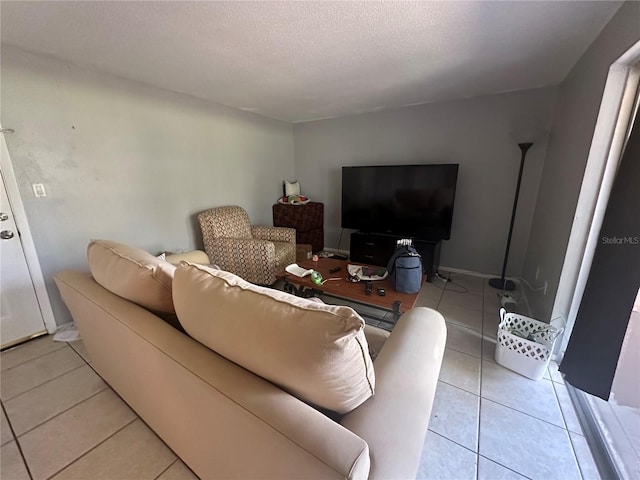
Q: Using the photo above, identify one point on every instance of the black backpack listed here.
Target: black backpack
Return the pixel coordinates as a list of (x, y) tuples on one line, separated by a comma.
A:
[(405, 269)]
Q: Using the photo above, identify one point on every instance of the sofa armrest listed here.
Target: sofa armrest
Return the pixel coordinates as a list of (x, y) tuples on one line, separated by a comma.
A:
[(394, 421), (194, 256), (275, 234)]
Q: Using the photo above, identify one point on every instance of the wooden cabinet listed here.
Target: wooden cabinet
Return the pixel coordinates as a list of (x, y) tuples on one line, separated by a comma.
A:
[(308, 220), (376, 249)]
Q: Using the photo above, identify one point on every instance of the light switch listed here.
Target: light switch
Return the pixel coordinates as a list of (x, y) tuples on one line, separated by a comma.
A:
[(38, 190)]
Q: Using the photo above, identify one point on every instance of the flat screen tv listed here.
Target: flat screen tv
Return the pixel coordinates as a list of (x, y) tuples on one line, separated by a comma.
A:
[(406, 200)]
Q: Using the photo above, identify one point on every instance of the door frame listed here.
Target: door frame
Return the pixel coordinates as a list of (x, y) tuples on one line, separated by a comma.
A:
[(609, 138), (28, 246)]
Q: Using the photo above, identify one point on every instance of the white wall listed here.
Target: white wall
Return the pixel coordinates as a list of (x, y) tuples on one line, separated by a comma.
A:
[(473, 133), (128, 162), (578, 104)]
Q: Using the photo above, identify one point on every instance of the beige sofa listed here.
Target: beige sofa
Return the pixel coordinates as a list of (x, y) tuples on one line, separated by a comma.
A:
[(226, 422)]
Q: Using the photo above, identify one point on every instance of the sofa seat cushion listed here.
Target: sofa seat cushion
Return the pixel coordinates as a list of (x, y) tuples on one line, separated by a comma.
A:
[(317, 352), (133, 274)]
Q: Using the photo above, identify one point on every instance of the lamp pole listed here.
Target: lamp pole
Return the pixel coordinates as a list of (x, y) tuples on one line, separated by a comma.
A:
[(501, 283)]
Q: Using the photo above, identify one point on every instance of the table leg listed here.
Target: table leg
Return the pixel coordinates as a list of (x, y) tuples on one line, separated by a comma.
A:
[(300, 291)]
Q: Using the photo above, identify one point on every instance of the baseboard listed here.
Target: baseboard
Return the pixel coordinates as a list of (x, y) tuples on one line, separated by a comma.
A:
[(466, 272), (335, 250)]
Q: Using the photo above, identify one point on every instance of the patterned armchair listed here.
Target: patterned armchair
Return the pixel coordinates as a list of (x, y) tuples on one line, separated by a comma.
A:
[(256, 254)]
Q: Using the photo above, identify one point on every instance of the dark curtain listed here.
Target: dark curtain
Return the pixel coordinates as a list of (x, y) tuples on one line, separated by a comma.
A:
[(592, 354)]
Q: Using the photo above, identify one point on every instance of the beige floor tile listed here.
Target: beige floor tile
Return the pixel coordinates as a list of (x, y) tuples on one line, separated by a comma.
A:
[(490, 325), (178, 471), (28, 351), (5, 429), (49, 399), (434, 288), (444, 459), (465, 317), (470, 301), (588, 466), (55, 444), (568, 411), (81, 349), (536, 398), (489, 349), (531, 447), (461, 370), (491, 302), (455, 415), (429, 296), (35, 372), (134, 452), (461, 282), (13, 467), (464, 340), (488, 470)]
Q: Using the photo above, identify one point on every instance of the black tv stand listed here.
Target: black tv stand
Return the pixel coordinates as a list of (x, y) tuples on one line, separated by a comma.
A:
[(377, 248)]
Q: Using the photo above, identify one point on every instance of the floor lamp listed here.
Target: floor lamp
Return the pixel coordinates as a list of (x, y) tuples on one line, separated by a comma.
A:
[(501, 283)]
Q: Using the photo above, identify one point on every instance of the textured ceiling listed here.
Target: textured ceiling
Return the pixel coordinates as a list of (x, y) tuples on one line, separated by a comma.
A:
[(299, 61)]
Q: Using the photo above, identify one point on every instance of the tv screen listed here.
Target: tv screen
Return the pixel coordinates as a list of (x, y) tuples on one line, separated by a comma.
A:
[(405, 200)]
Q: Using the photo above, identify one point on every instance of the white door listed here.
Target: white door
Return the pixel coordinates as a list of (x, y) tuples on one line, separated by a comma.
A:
[(20, 315)]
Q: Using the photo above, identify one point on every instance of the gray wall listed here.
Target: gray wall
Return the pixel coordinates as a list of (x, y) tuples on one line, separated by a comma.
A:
[(128, 162), (473, 133), (578, 103)]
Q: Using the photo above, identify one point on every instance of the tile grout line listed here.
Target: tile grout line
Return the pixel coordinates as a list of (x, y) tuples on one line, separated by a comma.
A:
[(575, 455), (480, 393), (466, 353), (94, 447), (564, 417), (15, 439), (65, 410), (168, 467), (524, 413), (465, 326), (453, 441), (504, 466), (43, 383), (74, 349), (573, 449), (62, 345)]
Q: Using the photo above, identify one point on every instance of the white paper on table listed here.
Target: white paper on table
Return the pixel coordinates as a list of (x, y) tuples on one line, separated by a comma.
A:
[(297, 270)]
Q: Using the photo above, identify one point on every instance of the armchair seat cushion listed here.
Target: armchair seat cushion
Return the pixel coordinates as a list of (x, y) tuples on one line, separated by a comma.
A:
[(317, 352)]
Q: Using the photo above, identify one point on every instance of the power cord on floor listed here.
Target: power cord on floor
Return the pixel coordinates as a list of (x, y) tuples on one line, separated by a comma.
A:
[(449, 283)]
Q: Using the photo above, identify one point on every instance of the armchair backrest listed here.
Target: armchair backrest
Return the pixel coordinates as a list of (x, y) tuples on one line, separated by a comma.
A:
[(229, 222)]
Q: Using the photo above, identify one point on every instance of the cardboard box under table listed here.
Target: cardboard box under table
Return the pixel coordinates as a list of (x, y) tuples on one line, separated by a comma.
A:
[(303, 252)]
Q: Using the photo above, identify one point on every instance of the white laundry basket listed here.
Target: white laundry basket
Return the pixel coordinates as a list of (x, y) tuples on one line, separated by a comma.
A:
[(526, 357)]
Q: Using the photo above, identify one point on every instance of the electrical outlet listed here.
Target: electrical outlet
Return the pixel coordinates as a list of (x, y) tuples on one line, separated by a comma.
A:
[(38, 190)]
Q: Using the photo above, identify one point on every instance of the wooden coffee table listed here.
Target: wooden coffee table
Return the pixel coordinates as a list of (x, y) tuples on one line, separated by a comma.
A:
[(394, 302)]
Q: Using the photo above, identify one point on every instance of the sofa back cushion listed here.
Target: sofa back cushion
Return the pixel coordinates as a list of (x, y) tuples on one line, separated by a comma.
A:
[(133, 274), (316, 352)]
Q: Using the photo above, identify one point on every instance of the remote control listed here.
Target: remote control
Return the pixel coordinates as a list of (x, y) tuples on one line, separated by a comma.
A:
[(381, 292), (368, 288), (335, 269)]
